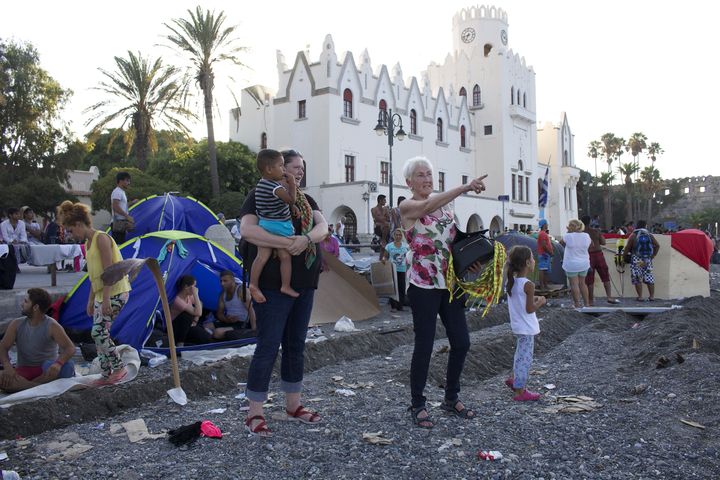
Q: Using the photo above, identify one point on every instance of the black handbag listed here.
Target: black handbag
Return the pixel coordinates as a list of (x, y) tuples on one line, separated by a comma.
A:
[(469, 248)]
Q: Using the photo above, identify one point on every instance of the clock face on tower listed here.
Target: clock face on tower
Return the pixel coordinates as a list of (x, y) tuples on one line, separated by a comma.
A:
[(468, 35), (503, 37)]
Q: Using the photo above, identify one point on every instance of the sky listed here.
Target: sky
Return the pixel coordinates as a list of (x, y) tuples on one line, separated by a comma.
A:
[(612, 66)]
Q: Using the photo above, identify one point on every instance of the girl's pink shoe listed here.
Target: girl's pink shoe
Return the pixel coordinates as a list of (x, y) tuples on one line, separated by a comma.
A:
[(510, 382), (527, 396)]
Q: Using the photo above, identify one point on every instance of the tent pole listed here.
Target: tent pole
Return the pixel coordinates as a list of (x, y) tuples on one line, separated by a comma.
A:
[(155, 269)]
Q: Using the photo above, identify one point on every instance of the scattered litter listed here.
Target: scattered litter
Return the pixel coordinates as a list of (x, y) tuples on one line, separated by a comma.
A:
[(388, 358), (572, 404), (434, 404), (65, 449), (337, 378), (376, 439), (313, 430), (638, 389), (489, 455), (443, 349), (200, 357), (3, 456), (10, 475), (178, 395), (189, 433), (116, 429), (345, 392), (357, 385), (453, 442), (137, 431), (315, 399), (679, 357), (549, 386), (216, 410), (344, 324), (214, 377), (316, 339), (315, 331), (154, 359), (538, 372), (695, 344), (693, 424), (99, 426), (240, 396)]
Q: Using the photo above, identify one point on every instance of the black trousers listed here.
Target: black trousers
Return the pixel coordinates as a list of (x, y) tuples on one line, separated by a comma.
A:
[(398, 304), (426, 304), (186, 333)]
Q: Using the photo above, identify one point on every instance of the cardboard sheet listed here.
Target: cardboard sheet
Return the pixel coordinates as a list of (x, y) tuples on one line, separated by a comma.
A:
[(384, 279)]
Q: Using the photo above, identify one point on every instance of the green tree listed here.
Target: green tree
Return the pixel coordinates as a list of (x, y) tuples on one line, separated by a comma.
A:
[(32, 132), (605, 179), (25, 192), (228, 203), (652, 183), (594, 151), (636, 144), (142, 185), (628, 170), (142, 94), (206, 40), (654, 150), (189, 169), (611, 148), (704, 219)]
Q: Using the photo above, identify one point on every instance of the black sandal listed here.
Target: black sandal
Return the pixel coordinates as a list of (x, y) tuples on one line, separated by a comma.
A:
[(451, 407), (415, 411)]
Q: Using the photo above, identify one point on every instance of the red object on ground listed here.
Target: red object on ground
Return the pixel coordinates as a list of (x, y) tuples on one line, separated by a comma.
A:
[(208, 429), (695, 245)]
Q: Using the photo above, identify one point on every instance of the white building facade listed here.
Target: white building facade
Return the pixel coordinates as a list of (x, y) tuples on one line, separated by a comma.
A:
[(472, 115)]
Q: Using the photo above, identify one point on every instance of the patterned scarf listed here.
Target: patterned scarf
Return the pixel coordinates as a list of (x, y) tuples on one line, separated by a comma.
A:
[(306, 224)]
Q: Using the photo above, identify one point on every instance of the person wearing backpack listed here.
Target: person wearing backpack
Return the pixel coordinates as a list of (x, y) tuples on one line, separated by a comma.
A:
[(643, 248)]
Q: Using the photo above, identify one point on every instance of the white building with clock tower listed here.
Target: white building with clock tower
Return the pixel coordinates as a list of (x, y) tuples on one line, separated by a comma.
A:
[(470, 115)]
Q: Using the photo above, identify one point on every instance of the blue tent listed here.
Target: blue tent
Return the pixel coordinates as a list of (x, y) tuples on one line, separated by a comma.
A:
[(169, 212), (185, 253), (557, 274)]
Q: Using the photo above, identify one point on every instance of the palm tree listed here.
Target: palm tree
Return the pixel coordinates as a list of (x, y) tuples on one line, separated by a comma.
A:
[(605, 179), (144, 95), (594, 150), (652, 182), (654, 150), (628, 170), (207, 42), (611, 148)]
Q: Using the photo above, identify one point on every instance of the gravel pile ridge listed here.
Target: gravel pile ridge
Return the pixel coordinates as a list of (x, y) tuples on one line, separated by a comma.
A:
[(634, 429)]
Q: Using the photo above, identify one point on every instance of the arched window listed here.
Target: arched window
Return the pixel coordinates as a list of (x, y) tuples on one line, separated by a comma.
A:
[(439, 130), (518, 97), (462, 136), (413, 122), (512, 95), (348, 103), (476, 96), (383, 105), (524, 101), (463, 92), (263, 140)]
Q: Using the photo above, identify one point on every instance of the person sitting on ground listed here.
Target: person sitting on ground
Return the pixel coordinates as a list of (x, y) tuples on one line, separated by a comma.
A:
[(576, 261), (13, 229), (274, 195), (186, 311), (522, 305), (32, 227), (643, 248), (37, 338), (545, 253), (235, 318), (597, 262)]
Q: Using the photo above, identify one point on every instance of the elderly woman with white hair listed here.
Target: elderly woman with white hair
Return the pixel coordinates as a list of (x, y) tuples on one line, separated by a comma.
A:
[(429, 227)]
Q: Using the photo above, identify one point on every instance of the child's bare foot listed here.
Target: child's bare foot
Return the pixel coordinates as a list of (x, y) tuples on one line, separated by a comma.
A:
[(289, 291), (256, 294)]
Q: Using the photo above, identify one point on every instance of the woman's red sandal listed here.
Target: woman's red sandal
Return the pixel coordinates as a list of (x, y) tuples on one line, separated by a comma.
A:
[(261, 429), (300, 413)]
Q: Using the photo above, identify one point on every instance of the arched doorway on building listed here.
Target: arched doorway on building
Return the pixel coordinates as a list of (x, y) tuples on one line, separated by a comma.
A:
[(496, 226), (474, 224), (349, 220)]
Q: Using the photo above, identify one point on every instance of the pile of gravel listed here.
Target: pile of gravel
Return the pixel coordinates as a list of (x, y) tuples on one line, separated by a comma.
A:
[(637, 432)]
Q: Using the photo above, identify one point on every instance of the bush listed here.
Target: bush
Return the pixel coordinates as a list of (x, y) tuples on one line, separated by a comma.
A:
[(228, 203), (141, 185)]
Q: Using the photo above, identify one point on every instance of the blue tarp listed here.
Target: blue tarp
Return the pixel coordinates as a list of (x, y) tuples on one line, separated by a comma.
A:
[(204, 260), (557, 274), (169, 212)]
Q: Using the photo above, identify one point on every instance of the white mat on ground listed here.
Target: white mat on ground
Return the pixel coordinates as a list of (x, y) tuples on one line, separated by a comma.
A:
[(199, 357), (48, 390)]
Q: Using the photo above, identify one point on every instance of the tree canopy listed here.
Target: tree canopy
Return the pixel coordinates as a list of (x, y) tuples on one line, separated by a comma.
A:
[(142, 185)]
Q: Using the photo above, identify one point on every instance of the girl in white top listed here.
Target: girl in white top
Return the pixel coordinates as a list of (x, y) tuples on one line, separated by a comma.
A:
[(522, 304), (576, 261)]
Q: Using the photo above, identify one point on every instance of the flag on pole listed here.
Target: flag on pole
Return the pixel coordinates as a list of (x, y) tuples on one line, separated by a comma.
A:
[(542, 203)]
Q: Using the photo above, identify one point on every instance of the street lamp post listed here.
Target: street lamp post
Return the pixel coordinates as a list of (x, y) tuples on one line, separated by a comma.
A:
[(387, 123)]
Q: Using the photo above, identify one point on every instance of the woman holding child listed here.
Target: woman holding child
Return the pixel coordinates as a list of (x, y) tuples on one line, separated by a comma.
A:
[(282, 318), (429, 228)]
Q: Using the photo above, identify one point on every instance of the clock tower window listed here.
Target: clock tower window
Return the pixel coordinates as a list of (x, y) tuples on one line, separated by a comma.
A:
[(488, 47)]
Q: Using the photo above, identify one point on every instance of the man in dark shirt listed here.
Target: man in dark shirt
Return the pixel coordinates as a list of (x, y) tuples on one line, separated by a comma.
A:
[(597, 262)]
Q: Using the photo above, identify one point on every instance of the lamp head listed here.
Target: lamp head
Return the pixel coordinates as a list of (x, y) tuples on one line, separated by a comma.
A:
[(380, 127), (400, 135)]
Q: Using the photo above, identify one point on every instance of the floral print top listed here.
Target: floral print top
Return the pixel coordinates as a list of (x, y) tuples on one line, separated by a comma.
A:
[(429, 241)]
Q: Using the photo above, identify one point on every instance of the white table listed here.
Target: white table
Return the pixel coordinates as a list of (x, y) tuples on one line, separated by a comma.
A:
[(50, 254)]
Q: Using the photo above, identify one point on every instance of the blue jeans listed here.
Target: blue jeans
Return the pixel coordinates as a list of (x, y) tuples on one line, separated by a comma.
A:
[(426, 304), (66, 371), (281, 320)]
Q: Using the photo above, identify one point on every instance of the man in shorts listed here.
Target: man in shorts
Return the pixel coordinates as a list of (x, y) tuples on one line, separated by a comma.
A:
[(597, 263), (643, 248), (545, 253)]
